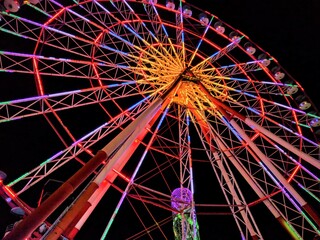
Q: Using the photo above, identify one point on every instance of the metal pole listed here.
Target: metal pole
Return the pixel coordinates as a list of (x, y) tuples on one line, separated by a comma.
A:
[(128, 136), (209, 134), (256, 126), (93, 201), (142, 121), (255, 186), (223, 108), (27, 226)]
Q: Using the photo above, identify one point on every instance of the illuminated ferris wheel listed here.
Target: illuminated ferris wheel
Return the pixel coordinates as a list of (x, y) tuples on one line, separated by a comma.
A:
[(157, 117)]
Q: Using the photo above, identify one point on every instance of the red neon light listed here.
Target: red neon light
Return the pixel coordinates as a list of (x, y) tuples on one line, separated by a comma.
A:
[(35, 64), (54, 17), (293, 174), (9, 192), (121, 175), (81, 146), (98, 38), (97, 74)]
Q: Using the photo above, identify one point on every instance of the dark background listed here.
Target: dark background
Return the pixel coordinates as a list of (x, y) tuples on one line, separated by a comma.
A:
[(288, 30)]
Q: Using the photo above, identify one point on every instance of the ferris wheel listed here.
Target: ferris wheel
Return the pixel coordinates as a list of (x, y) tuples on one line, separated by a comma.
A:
[(157, 118)]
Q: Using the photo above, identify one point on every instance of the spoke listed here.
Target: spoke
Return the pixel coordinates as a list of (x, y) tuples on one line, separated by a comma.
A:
[(78, 69), (214, 57), (232, 70), (280, 182), (22, 108), (132, 179), (227, 181), (272, 114), (143, 36), (64, 156), (253, 178), (154, 19), (199, 44), (253, 181), (71, 42), (138, 46), (267, 107), (268, 128), (180, 35)]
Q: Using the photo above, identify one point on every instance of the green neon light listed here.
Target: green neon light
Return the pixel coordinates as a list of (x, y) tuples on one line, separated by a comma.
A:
[(10, 32), (38, 9), (311, 194), (5, 120), (304, 125), (104, 235), (292, 231), (18, 179), (312, 115), (45, 162), (310, 222), (177, 223), (4, 103)]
